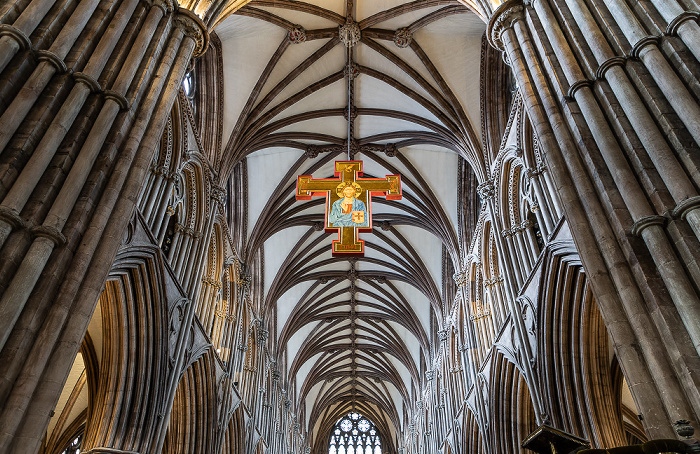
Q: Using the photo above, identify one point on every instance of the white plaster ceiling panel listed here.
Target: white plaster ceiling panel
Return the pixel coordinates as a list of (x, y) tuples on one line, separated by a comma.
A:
[(297, 341), (327, 65), (373, 93), (432, 162), (267, 167), (456, 62), (369, 57), (335, 126), (242, 68), (310, 21), (290, 60), (406, 19)]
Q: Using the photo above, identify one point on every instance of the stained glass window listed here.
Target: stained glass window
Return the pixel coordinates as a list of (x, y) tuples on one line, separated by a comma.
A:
[(354, 434), (74, 446)]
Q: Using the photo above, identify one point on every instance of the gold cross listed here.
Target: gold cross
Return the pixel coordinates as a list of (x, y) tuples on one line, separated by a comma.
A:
[(348, 202)]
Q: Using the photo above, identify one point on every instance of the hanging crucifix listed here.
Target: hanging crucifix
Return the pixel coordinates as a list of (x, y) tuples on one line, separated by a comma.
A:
[(349, 197), (349, 202)]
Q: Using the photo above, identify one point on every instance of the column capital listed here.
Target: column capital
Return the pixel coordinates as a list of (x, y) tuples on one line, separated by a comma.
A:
[(486, 190), (503, 18), (194, 28)]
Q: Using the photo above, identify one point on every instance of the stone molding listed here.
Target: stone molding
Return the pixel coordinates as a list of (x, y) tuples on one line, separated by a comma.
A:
[(193, 27), (503, 18)]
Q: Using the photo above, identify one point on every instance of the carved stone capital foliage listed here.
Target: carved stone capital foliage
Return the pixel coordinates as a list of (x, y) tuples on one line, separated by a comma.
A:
[(351, 72), (503, 18), (486, 190), (460, 279), (443, 335), (193, 27), (218, 194), (262, 337)]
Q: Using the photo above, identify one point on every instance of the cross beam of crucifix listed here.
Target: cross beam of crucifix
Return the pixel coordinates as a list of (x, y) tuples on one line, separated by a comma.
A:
[(348, 202)]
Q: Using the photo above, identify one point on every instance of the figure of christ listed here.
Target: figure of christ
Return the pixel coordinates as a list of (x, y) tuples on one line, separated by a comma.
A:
[(348, 211)]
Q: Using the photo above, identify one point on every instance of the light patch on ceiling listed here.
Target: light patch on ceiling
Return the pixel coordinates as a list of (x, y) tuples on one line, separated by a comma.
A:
[(293, 55), (418, 302), (309, 21), (310, 399), (302, 373), (95, 332), (373, 93), (76, 371), (458, 63), (238, 35), (365, 9), (265, 170), (333, 126), (428, 247), (328, 64), (433, 162), (287, 302), (366, 56), (412, 345)]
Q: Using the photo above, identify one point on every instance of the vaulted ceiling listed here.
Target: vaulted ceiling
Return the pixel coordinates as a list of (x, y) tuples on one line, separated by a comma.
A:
[(360, 332)]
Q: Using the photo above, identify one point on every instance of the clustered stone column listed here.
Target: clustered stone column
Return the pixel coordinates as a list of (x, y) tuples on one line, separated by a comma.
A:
[(632, 205), (85, 110)]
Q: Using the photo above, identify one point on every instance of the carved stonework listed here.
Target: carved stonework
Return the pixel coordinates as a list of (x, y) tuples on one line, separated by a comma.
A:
[(312, 151), (349, 33), (502, 19), (384, 225), (486, 190), (262, 337), (684, 428), (352, 72), (460, 279), (297, 35), (218, 194), (193, 27), (403, 37)]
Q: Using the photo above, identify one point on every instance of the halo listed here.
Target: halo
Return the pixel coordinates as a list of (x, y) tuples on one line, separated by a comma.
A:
[(342, 185)]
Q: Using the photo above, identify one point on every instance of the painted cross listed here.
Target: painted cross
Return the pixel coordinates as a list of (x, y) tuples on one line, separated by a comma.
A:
[(348, 202)]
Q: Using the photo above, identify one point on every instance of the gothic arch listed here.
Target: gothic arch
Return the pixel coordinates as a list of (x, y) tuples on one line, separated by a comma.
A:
[(573, 354), (195, 409), (511, 408)]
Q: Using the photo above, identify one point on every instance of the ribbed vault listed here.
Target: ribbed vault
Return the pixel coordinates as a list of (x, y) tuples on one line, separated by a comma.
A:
[(351, 333)]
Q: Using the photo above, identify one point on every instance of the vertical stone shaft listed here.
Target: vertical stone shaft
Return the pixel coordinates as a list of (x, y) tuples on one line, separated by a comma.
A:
[(588, 222), (25, 414), (641, 212), (18, 291), (42, 74), (21, 29)]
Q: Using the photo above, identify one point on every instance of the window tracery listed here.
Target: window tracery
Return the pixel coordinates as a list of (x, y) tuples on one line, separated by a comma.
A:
[(74, 446), (354, 434)]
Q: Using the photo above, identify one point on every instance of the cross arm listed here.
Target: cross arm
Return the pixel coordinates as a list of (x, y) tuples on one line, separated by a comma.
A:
[(307, 187)]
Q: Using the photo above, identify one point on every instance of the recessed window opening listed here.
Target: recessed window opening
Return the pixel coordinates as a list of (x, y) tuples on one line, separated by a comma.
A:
[(354, 434)]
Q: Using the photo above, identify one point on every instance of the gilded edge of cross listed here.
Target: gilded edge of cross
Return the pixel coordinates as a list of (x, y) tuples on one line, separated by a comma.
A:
[(348, 242)]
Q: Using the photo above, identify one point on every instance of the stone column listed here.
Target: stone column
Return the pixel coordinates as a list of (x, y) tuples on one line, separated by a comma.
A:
[(37, 384), (603, 261)]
